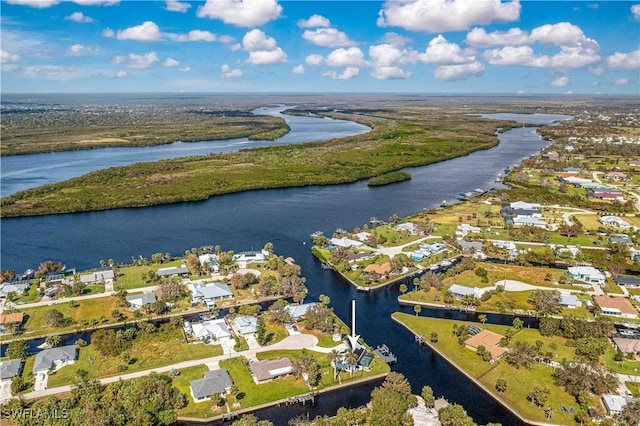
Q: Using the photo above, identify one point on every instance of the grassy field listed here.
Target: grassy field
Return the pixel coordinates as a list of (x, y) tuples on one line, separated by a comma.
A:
[(181, 382), (394, 143), (131, 276), (519, 381), (148, 351)]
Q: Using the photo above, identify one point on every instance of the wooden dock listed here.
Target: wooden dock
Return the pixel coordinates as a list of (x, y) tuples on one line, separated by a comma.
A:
[(383, 352)]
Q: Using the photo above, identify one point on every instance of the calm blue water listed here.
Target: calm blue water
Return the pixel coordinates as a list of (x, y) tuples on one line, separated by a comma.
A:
[(286, 217)]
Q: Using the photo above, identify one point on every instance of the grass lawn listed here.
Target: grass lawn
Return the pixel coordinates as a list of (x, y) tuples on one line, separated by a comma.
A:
[(148, 351), (33, 294), (612, 287), (394, 238), (131, 276), (519, 381), (624, 367), (634, 388)]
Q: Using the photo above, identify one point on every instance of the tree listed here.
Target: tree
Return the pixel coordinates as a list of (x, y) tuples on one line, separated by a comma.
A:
[(501, 385), (454, 415), (53, 340), (546, 302), (54, 318), (334, 357), (251, 420), (170, 289), (631, 412), (427, 395), (417, 309), (521, 355), (517, 323), (433, 338), (159, 307), (539, 395), (403, 288), (482, 318), (351, 359), (261, 332), (17, 349), (18, 384)]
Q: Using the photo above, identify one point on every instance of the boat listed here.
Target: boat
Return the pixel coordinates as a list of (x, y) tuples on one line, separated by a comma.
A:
[(444, 203), (317, 234)]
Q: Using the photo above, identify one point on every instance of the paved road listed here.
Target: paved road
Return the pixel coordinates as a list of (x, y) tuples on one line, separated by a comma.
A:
[(392, 251), (296, 341)]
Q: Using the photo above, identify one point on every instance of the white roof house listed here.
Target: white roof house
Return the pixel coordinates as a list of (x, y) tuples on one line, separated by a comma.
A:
[(586, 273), (362, 236), (614, 221), (460, 291), (210, 260), (464, 229), (570, 301), (524, 205), (251, 256), (345, 242), (138, 301), (406, 226), (98, 276), (214, 330), (15, 287), (245, 324), (614, 403), (209, 294), (529, 221), (172, 271), (298, 311)]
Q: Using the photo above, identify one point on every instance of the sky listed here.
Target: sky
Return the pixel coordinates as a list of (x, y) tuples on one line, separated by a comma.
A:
[(401, 46)]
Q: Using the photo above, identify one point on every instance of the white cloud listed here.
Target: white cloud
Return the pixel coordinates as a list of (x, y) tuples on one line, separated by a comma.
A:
[(263, 50), (560, 81), (446, 15), (514, 56), (40, 4), (441, 52), (176, 6), (314, 59), (314, 21), (225, 39), (121, 74), (351, 57), (389, 73), (8, 58), (79, 17), (185, 69), (96, 2), (347, 74), (236, 46), (170, 62), (298, 69), (635, 11), (574, 57), (227, 72), (79, 50), (327, 37), (478, 37), (458, 72), (560, 34), (242, 13), (624, 61), (196, 35), (136, 61), (621, 82), (147, 31), (108, 32), (395, 39)]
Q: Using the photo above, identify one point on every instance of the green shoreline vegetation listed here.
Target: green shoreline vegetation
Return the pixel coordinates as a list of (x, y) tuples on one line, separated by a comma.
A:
[(388, 178), (397, 140)]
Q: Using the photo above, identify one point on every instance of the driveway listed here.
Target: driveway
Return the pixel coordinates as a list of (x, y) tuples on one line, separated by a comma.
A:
[(5, 391), (41, 381)]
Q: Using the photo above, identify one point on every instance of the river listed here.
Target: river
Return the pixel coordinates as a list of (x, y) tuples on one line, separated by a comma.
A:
[(287, 217)]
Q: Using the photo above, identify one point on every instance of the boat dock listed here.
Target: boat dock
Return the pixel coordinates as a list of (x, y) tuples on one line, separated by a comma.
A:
[(383, 352)]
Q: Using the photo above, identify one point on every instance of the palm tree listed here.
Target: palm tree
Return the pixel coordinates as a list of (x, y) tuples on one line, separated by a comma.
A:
[(482, 318), (417, 309), (333, 358), (351, 359)]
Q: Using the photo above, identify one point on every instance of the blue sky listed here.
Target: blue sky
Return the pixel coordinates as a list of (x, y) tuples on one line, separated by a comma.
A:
[(415, 46)]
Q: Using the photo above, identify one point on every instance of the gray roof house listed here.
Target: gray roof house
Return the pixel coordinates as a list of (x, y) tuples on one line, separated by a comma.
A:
[(209, 294), (9, 369), (298, 311), (614, 403), (214, 382), (97, 276), (138, 301), (17, 287), (245, 324), (54, 358), (460, 291), (569, 300), (628, 280), (172, 271)]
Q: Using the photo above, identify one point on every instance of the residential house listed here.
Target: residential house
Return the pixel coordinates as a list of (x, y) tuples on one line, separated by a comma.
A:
[(345, 242), (251, 256), (634, 163), (569, 301), (245, 324), (297, 311), (472, 248), (616, 306), (98, 277), (139, 301), (620, 239), (632, 281), (376, 271), (432, 248), (614, 404), (210, 261), (355, 257), (215, 382), (551, 155), (211, 330), (362, 236), (15, 318), (172, 271), (54, 358), (55, 278), (460, 291), (529, 221), (510, 212), (488, 339), (417, 256), (409, 227), (9, 369), (627, 345), (586, 273), (265, 371), (463, 229), (209, 294), (614, 221), (525, 206), (616, 176), (571, 170), (16, 287)]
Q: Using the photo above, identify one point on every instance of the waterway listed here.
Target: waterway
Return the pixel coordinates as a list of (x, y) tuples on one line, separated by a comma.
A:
[(287, 217)]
